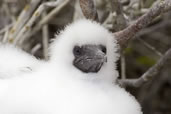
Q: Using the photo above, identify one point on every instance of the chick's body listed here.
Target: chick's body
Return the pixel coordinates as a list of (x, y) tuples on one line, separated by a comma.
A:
[(58, 87), (56, 95)]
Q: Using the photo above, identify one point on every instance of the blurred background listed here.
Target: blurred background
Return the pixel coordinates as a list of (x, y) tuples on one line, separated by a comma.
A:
[(32, 25)]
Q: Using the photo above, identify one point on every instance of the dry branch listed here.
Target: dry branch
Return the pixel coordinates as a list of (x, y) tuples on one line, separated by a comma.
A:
[(34, 17), (23, 18), (44, 21), (128, 33)]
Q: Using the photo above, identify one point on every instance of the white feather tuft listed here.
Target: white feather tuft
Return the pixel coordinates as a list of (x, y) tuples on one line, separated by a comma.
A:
[(15, 62)]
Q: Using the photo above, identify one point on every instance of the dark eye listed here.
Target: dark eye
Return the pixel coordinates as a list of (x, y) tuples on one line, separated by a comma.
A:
[(103, 48), (77, 50)]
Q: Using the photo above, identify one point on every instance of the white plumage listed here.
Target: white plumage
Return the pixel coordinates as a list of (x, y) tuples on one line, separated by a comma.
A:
[(15, 62), (58, 87)]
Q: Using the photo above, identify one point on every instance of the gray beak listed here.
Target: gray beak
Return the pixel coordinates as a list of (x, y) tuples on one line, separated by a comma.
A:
[(91, 58)]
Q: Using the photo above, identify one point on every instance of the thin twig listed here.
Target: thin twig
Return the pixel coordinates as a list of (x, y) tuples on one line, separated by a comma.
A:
[(150, 47), (35, 48), (149, 74), (123, 67), (45, 39)]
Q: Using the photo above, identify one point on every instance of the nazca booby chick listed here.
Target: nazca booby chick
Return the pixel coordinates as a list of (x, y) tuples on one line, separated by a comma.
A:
[(16, 62), (78, 79)]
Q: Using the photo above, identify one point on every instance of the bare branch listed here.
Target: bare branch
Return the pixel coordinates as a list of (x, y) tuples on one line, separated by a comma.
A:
[(128, 33), (88, 9), (23, 18), (34, 17), (44, 21), (149, 74)]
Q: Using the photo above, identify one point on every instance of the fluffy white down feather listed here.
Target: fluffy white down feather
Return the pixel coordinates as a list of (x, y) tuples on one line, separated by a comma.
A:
[(59, 88), (16, 62)]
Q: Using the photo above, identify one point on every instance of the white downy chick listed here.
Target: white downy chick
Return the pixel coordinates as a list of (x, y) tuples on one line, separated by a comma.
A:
[(78, 79), (15, 62)]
